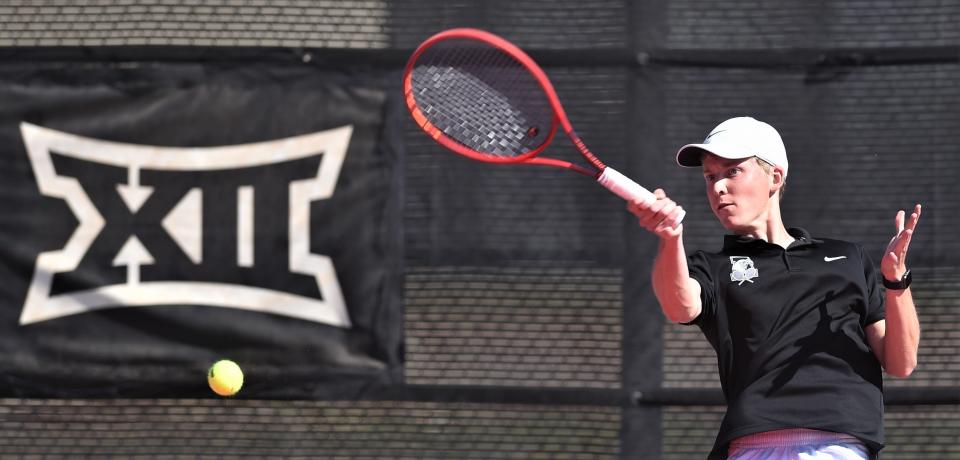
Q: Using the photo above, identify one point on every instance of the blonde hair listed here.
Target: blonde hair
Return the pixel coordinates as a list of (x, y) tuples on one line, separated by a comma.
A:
[(767, 167)]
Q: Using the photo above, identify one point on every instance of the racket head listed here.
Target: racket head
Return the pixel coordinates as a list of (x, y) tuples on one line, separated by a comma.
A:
[(481, 96)]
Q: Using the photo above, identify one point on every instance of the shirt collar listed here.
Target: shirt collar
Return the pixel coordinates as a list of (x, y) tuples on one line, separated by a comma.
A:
[(802, 236)]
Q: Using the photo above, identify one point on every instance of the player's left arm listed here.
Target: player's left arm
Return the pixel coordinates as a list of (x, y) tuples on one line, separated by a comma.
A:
[(896, 339)]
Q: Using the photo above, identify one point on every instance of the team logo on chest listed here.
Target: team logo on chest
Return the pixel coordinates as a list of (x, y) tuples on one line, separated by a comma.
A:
[(742, 269)]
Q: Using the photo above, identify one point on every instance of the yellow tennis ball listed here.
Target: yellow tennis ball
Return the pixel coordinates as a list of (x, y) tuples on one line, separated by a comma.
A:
[(225, 377)]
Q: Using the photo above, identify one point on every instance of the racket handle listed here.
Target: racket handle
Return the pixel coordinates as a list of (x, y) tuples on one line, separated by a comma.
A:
[(627, 189), (624, 187)]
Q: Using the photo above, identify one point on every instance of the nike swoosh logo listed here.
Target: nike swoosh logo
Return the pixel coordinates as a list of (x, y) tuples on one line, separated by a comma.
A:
[(831, 259), (706, 141)]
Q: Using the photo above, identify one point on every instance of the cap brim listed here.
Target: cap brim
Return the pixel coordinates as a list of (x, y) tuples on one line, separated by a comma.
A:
[(691, 155)]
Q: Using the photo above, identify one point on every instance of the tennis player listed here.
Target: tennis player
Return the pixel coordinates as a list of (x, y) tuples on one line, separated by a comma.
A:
[(800, 325)]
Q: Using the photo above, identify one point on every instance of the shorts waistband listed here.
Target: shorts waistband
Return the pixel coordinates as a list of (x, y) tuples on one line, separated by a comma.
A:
[(790, 437)]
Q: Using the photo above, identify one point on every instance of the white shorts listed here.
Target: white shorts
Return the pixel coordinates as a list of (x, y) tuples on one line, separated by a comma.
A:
[(798, 444)]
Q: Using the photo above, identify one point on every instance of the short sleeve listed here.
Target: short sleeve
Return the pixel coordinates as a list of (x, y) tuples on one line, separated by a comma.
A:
[(876, 308), (698, 265)]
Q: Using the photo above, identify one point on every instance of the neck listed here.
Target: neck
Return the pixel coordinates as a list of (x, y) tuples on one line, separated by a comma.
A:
[(775, 234), (769, 227)]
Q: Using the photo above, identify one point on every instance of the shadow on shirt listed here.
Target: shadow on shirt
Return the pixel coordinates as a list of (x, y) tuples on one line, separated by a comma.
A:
[(839, 336)]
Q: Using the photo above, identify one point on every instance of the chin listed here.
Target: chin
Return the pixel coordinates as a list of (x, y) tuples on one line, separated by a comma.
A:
[(731, 227), (726, 220), (731, 223)]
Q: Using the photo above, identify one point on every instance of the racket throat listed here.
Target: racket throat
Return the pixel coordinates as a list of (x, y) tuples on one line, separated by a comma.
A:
[(564, 164), (585, 151)]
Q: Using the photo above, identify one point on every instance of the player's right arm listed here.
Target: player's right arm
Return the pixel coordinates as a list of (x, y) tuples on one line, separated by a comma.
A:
[(677, 292)]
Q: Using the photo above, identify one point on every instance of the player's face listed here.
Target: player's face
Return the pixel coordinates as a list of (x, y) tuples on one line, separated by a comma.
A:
[(739, 192)]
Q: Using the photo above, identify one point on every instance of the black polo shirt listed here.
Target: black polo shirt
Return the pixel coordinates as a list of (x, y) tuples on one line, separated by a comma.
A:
[(788, 329)]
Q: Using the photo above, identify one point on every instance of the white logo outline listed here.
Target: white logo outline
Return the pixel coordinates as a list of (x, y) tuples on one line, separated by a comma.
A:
[(41, 306), (742, 269), (831, 259)]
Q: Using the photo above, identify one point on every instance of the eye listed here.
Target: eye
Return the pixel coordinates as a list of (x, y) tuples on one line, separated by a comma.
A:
[(734, 171)]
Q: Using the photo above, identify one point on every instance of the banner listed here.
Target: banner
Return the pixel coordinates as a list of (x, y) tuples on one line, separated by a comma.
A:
[(157, 217)]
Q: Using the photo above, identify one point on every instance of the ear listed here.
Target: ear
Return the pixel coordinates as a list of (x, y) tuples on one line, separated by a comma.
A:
[(777, 179)]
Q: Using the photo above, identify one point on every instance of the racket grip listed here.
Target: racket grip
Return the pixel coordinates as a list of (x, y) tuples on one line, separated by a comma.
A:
[(624, 187), (627, 189)]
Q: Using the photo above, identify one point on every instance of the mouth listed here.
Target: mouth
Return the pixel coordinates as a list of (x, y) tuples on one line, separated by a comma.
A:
[(724, 205)]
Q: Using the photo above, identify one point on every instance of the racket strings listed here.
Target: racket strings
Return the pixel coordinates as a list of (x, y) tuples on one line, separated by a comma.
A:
[(470, 107), (476, 108), (509, 118), (482, 98), (533, 99)]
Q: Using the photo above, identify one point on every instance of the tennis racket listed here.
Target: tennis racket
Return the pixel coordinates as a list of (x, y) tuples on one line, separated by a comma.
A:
[(481, 96)]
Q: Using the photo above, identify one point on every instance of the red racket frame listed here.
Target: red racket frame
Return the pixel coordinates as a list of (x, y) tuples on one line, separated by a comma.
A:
[(559, 115)]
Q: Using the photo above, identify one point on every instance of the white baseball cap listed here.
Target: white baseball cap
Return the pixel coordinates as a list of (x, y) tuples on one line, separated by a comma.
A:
[(736, 138)]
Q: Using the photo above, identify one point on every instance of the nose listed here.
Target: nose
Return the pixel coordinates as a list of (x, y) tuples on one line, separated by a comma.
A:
[(720, 187)]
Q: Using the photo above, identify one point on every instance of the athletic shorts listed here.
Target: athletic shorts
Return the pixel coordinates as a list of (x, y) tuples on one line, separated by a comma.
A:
[(798, 444)]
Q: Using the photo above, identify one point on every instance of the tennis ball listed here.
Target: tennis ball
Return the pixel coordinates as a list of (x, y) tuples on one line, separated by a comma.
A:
[(225, 377)]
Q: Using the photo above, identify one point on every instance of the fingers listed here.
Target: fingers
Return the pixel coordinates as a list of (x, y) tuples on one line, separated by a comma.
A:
[(908, 233), (900, 243), (893, 258), (903, 241), (659, 212), (660, 216), (914, 218), (642, 209), (901, 222), (910, 223), (671, 224)]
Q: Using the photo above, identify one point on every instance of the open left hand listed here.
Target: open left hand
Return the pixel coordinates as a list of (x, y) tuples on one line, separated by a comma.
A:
[(894, 263)]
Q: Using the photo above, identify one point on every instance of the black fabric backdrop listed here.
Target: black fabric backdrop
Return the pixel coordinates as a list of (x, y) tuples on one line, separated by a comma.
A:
[(165, 350)]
